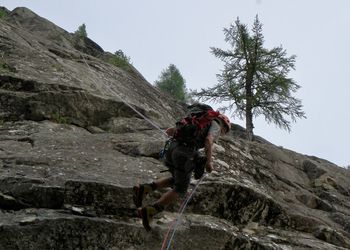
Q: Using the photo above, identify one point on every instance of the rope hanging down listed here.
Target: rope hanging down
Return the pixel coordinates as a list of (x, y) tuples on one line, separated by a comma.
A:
[(188, 198), (177, 220), (126, 103)]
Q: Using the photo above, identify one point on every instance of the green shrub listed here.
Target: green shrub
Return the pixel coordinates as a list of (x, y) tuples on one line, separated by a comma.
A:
[(5, 67), (121, 55), (120, 60), (58, 118), (2, 13), (81, 31), (120, 63)]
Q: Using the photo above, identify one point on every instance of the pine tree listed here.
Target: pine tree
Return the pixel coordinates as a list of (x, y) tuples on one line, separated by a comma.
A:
[(171, 82), (81, 31), (254, 80), (120, 54)]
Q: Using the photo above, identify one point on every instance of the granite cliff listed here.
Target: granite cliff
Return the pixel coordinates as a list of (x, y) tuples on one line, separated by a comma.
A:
[(73, 143)]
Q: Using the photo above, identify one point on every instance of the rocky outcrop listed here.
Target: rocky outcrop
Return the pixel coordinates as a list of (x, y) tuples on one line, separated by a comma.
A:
[(48, 73), (71, 148)]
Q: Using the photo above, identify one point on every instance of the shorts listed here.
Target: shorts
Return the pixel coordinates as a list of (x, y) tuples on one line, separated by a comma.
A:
[(180, 160)]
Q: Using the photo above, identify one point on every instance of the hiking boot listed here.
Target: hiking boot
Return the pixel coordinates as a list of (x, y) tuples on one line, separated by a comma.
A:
[(140, 192), (146, 214)]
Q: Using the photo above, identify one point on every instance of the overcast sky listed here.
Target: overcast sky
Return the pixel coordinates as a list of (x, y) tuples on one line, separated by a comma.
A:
[(155, 33)]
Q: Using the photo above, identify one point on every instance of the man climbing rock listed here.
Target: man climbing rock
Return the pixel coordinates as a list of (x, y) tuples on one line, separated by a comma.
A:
[(200, 129)]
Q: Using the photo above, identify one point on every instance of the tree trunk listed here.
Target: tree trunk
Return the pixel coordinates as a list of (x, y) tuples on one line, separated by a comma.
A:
[(249, 122), (249, 105)]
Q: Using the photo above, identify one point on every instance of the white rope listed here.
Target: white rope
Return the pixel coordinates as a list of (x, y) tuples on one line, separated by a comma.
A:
[(126, 103), (178, 219)]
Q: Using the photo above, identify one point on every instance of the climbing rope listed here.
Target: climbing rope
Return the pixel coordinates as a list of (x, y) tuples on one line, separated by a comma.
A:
[(173, 222), (126, 103), (180, 212), (183, 206)]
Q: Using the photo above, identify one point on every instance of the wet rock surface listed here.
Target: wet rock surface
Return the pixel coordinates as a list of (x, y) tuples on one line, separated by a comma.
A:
[(71, 151)]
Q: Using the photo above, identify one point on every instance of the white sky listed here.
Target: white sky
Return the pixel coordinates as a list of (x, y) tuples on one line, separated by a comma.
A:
[(155, 33)]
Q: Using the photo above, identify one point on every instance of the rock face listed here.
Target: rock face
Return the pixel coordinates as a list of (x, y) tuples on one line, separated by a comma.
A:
[(71, 148), (48, 73)]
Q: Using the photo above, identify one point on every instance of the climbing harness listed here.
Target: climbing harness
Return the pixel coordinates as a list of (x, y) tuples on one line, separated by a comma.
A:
[(174, 224), (165, 148)]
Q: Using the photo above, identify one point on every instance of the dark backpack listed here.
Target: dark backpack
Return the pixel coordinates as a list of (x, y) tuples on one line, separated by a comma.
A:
[(192, 129)]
